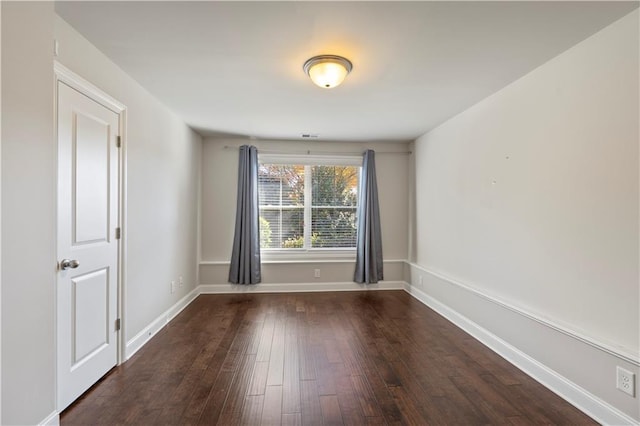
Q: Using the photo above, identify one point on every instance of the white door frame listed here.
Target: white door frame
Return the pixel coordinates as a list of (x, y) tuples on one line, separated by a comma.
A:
[(0, 217), (68, 77)]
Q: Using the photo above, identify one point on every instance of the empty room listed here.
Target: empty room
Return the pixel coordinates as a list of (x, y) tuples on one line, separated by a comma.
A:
[(319, 213)]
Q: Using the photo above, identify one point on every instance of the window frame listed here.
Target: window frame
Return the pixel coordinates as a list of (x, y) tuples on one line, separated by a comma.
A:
[(319, 253)]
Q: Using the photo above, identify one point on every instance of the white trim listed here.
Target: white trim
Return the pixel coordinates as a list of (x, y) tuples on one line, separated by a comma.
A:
[(350, 259), (1, 215), (179, 306), (83, 86), (298, 287), (307, 219), (285, 255), (52, 419), (199, 214), (140, 339), (569, 391), (620, 353), (122, 259)]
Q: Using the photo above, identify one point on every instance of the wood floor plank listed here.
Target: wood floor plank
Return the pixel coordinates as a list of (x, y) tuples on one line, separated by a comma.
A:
[(324, 371), (205, 386), (349, 356), (374, 381), (176, 405), (350, 409), (252, 410), (410, 412), (266, 339), (232, 410), (275, 375), (291, 376), (526, 407), (292, 419), (305, 358), (310, 403), (330, 407), (428, 408), (272, 408), (235, 356), (332, 351), (374, 421), (258, 381), (367, 400), (313, 359), (485, 398)]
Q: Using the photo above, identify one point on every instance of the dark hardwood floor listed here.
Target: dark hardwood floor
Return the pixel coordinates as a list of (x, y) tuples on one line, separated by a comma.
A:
[(358, 358)]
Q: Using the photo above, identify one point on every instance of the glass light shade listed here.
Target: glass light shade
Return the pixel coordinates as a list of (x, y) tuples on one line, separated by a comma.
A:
[(327, 71), (327, 74)]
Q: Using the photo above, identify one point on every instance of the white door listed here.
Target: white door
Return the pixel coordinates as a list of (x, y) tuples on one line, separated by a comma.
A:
[(87, 290)]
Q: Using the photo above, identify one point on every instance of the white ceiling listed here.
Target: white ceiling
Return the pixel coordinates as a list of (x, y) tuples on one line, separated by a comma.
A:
[(235, 68)]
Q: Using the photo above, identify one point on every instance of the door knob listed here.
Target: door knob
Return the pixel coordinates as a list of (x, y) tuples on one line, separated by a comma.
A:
[(68, 264)]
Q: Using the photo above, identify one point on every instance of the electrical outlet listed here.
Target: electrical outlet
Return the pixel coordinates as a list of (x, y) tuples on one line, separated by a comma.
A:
[(173, 286), (626, 381), (316, 273), (180, 282)]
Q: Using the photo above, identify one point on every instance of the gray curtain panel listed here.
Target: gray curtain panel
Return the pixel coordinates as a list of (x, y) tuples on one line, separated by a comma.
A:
[(369, 268), (245, 258)]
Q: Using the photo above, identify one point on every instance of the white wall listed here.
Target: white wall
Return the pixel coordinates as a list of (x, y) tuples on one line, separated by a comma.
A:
[(163, 160), (28, 179), (219, 175), (160, 227), (530, 198)]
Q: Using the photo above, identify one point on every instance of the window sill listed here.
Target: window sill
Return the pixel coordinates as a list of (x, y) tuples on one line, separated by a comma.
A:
[(308, 256)]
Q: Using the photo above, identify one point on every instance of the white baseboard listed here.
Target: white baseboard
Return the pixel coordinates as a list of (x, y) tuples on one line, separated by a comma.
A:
[(173, 311), (574, 394), (140, 339), (298, 287), (52, 419)]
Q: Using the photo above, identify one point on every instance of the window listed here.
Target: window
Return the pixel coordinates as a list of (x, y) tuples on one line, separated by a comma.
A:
[(308, 203)]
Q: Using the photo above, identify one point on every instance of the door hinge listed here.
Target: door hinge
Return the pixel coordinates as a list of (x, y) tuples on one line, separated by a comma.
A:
[(117, 233), (118, 141), (118, 324)]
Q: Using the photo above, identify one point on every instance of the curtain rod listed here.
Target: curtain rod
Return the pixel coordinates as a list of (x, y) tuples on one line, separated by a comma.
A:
[(309, 152)]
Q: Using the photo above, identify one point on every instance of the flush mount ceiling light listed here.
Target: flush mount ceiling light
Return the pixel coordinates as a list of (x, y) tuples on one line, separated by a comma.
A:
[(327, 71)]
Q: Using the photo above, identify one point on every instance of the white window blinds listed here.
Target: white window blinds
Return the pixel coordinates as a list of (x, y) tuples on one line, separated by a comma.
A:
[(305, 206)]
